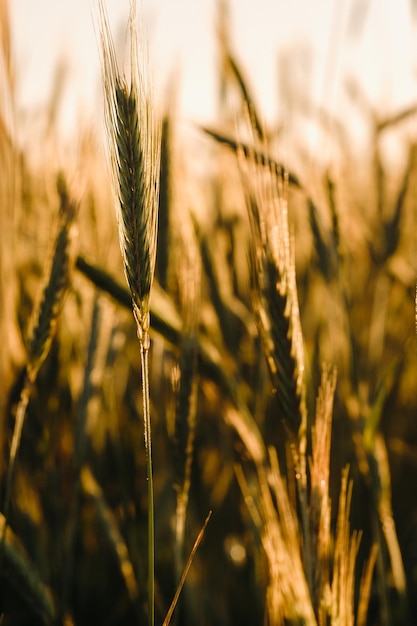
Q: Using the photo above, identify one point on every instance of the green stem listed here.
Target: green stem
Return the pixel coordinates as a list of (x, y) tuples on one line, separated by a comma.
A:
[(14, 448), (144, 349)]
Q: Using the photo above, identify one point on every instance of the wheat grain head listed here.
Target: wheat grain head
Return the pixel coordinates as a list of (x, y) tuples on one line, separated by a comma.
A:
[(44, 319), (133, 136), (56, 283), (275, 297)]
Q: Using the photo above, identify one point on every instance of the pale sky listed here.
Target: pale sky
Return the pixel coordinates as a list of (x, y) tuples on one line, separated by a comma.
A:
[(371, 39)]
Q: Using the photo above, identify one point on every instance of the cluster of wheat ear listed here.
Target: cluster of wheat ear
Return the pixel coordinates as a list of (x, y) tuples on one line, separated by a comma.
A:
[(248, 419)]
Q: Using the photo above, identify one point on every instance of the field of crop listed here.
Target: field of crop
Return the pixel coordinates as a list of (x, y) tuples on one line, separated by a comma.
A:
[(212, 389)]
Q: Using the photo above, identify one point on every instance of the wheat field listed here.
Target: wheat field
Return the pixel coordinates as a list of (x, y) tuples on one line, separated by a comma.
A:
[(208, 401)]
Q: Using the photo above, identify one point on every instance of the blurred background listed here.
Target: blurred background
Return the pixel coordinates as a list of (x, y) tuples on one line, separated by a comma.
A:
[(334, 89), (332, 51)]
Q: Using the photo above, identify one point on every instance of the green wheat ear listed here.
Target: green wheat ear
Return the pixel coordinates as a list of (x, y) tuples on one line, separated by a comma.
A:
[(134, 139)]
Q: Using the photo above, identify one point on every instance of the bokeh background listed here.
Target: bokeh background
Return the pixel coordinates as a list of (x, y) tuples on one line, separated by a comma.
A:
[(319, 45), (335, 84)]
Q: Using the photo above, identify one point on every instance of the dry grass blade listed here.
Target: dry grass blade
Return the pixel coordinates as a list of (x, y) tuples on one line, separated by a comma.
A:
[(402, 115), (365, 587), (387, 518), (134, 148), (17, 569), (186, 570), (238, 417), (246, 94), (230, 69), (258, 156)]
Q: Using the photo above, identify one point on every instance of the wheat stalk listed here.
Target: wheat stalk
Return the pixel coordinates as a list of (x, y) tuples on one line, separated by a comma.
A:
[(134, 149), (181, 583), (189, 279)]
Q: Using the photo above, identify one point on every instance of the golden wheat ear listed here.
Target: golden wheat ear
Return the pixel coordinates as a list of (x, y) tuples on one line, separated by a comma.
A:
[(56, 283), (134, 139), (275, 299)]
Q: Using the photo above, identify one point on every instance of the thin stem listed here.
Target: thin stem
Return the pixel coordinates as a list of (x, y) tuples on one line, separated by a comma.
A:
[(186, 570), (14, 449), (144, 349)]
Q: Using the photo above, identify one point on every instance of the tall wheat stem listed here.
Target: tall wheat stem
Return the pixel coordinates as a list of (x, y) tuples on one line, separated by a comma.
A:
[(144, 351)]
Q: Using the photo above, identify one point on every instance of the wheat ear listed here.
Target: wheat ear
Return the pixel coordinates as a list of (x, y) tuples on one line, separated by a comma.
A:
[(275, 297), (134, 148), (45, 317)]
